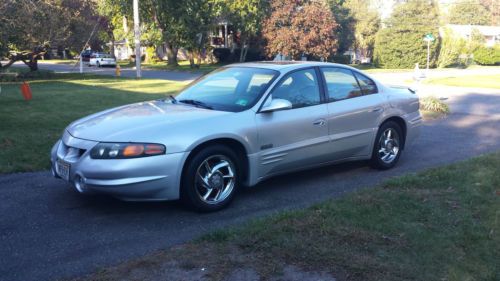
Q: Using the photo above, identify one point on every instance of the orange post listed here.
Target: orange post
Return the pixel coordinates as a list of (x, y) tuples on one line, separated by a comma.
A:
[(26, 91)]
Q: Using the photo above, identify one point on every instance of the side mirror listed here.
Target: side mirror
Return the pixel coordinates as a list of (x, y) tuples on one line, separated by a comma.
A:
[(276, 104)]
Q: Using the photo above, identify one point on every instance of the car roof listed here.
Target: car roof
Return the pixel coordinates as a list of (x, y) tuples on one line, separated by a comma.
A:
[(287, 65)]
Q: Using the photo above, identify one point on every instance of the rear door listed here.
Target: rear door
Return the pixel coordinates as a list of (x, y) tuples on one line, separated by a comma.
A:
[(355, 109), (296, 137)]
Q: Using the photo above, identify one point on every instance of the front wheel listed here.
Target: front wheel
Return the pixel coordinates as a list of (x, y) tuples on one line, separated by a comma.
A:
[(388, 146), (210, 179)]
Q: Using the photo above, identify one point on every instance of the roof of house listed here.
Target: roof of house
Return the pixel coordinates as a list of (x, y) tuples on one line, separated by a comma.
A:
[(467, 29)]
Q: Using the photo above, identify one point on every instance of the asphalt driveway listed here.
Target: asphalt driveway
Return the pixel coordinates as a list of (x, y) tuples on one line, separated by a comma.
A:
[(48, 231)]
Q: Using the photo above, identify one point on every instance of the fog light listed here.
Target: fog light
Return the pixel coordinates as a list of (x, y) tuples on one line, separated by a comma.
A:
[(80, 183)]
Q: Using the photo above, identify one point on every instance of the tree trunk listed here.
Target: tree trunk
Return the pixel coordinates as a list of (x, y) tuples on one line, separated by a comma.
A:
[(243, 49), (172, 54), (199, 59), (112, 48), (30, 59), (191, 59)]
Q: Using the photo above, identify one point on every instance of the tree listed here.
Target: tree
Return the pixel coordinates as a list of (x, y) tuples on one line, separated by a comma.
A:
[(246, 16), (469, 12), (27, 26), (182, 23), (366, 25), (300, 27), (112, 13), (400, 44), (345, 29), (493, 6)]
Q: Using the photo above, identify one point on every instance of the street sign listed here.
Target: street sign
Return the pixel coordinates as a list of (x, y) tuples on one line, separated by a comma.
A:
[(429, 37)]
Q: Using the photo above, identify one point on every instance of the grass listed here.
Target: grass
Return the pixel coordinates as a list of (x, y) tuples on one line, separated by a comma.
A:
[(441, 224), (476, 81), (183, 66), (30, 128)]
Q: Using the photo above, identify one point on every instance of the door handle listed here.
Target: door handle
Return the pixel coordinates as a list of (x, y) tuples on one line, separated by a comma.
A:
[(376, 109), (319, 122)]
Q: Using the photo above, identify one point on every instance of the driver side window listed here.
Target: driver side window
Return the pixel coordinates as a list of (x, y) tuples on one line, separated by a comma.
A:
[(300, 88)]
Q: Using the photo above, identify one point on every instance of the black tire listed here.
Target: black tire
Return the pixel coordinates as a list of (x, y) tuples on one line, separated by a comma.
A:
[(192, 186), (387, 158)]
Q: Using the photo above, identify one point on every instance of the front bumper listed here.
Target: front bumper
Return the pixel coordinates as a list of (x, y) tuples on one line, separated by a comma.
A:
[(138, 179), (104, 62)]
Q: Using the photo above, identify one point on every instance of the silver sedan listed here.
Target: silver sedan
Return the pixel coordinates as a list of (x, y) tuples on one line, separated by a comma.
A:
[(237, 126)]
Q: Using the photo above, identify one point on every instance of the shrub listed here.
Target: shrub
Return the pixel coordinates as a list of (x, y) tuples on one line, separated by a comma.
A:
[(434, 104), (451, 48), (224, 55), (487, 56), (151, 56), (343, 59)]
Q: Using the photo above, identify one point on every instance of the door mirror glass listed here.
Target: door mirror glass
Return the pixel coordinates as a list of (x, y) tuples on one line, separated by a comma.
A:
[(276, 104)]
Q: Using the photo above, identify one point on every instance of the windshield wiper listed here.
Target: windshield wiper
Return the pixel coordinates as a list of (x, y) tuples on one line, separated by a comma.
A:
[(197, 103)]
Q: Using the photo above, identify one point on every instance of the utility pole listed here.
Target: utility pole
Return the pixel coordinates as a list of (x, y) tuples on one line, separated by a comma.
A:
[(137, 39)]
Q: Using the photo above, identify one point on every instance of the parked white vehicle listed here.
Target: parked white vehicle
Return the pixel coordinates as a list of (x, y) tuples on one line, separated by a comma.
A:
[(102, 59)]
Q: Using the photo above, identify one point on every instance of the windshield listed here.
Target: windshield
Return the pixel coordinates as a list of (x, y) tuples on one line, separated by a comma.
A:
[(229, 89)]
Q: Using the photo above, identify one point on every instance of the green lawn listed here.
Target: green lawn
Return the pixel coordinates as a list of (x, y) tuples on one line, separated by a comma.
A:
[(29, 129), (368, 68), (441, 224), (476, 81)]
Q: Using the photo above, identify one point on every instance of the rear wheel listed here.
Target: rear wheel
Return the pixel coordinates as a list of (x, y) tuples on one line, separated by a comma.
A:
[(211, 179), (388, 146)]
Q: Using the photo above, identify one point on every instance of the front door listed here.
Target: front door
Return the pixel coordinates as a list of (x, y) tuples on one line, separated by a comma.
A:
[(296, 137)]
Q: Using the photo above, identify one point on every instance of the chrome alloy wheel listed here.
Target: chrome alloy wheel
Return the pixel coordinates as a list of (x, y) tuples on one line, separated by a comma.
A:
[(388, 145), (215, 179)]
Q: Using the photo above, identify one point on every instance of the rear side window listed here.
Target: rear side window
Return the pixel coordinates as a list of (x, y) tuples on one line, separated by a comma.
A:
[(367, 85), (340, 84)]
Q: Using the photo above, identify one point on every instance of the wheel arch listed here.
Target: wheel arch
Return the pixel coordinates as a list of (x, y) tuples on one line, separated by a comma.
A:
[(237, 146), (401, 122)]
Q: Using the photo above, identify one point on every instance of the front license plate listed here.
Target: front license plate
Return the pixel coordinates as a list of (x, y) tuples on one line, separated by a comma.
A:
[(62, 169)]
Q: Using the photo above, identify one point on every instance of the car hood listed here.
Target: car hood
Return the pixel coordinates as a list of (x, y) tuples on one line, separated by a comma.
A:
[(138, 122)]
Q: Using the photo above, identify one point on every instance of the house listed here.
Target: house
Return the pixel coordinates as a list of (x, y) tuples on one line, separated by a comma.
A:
[(491, 33), (223, 36), (123, 51)]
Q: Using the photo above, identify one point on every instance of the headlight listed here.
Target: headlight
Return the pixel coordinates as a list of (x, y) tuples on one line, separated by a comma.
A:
[(126, 150)]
